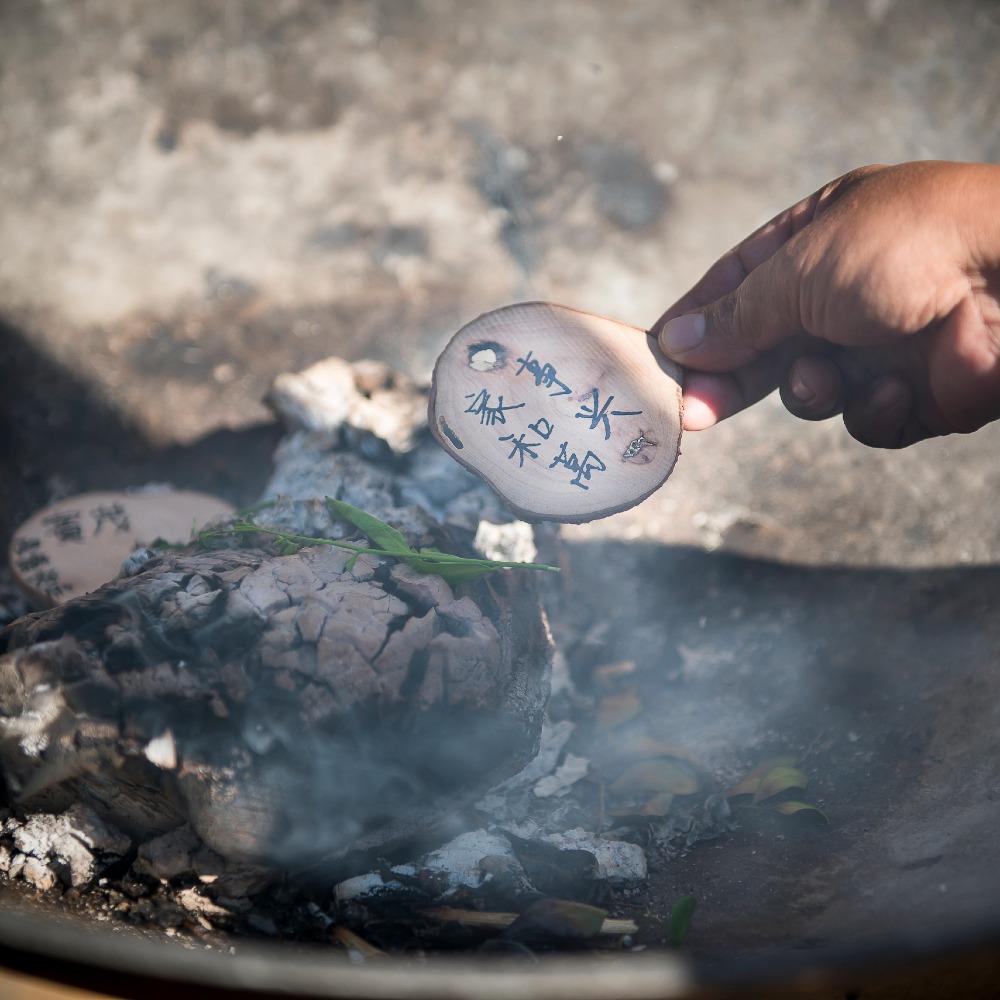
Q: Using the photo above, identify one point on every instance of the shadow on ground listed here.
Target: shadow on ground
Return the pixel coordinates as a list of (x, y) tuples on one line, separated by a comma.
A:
[(58, 436)]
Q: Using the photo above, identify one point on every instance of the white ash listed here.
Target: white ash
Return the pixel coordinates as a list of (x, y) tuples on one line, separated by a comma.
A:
[(485, 863), (380, 416), (334, 395), (136, 561), (73, 847), (561, 685), (465, 861), (476, 860), (553, 739), (619, 862), (513, 542), (369, 886), (565, 776)]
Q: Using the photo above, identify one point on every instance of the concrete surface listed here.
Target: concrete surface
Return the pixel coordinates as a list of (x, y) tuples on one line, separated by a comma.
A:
[(196, 197)]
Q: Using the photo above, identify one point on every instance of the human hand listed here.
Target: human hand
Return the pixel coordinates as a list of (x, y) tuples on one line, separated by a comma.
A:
[(878, 297)]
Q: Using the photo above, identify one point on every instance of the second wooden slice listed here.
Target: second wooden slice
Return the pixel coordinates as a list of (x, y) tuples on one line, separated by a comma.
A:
[(567, 415), (75, 545)]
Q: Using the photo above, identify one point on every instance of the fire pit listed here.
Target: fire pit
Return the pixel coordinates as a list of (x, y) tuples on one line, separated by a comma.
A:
[(800, 755)]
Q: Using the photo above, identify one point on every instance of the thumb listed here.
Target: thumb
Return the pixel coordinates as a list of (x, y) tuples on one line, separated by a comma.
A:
[(760, 313)]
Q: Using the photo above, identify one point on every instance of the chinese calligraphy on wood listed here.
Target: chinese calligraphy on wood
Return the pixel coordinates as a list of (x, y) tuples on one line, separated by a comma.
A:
[(567, 415)]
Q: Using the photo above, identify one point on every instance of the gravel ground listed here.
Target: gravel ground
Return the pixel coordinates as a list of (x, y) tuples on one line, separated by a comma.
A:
[(197, 197)]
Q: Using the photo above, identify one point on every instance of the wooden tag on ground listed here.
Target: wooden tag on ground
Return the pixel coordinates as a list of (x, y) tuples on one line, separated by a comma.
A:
[(567, 415), (73, 546)]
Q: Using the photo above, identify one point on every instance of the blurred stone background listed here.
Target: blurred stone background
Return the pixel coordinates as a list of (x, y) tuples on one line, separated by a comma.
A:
[(198, 196)]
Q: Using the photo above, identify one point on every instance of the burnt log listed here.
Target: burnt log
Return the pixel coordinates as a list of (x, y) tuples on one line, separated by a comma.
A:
[(292, 707)]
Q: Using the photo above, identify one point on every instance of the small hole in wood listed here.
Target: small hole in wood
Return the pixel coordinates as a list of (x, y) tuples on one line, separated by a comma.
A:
[(487, 356)]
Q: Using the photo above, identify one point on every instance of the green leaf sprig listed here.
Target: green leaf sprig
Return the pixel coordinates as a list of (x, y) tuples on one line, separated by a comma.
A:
[(680, 919), (389, 542)]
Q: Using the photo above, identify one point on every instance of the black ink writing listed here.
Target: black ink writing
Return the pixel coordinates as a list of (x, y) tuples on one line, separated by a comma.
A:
[(591, 463), (65, 525), (488, 414), (48, 581), (598, 415), (30, 561), (520, 448), (542, 427), (544, 375), (114, 514)]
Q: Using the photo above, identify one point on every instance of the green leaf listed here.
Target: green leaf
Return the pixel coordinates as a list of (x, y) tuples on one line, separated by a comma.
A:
[(662, 774), (558, 918), (351, 563), (162, 545), (453, 569), (680, 919), (780, 779), (751, 783), (803, 810), (383, 536)]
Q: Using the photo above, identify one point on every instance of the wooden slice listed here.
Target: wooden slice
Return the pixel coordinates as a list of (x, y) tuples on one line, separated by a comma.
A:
[(567, 415), (73, 546)]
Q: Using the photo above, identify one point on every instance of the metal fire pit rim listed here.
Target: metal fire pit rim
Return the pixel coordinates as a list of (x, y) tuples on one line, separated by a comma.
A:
[(99, 958), (42, 947)]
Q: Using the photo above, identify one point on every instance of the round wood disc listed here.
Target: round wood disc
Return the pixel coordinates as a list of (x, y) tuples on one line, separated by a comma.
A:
[(567, 415), (75, 545)]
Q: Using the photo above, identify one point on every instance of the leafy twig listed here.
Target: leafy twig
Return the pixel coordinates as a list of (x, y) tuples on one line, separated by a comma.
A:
[(390, 541)]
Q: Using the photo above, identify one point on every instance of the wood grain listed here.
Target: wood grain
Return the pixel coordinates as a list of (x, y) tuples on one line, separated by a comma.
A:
[(568, 416)]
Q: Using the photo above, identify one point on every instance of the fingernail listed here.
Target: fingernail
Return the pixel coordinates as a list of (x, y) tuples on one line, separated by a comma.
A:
[(698, 415), (887, 395), (683, 334), (800, 387)]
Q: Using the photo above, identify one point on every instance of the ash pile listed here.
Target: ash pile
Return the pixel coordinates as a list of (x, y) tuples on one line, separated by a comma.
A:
[(261, 734)]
